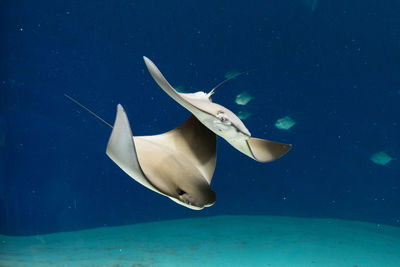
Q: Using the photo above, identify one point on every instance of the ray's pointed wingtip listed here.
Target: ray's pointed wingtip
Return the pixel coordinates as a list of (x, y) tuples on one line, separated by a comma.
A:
[(149, 64), (285, 148), (146, 59), (288, 147), (120, 108)]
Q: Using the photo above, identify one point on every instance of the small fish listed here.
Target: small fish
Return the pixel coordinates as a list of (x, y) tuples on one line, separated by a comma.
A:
[(285, 123), (381, 158), (243, 98), (243, 114), (232, 74)]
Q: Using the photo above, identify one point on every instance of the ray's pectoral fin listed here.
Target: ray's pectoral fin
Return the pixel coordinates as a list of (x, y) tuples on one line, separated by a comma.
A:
[(178, 164), (192, 140), (221, 120), (164, 84), (260, 150), (121, 149), (264, 151)]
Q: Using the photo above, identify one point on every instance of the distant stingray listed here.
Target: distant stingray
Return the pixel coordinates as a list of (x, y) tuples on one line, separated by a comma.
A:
[(285, 123), (243, 98), (381, 158)]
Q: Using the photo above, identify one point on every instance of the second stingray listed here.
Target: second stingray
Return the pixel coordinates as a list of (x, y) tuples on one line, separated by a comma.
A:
[(221, 120)]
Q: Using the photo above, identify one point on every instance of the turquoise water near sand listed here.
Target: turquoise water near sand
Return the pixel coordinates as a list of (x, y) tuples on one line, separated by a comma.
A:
[(213, 241)]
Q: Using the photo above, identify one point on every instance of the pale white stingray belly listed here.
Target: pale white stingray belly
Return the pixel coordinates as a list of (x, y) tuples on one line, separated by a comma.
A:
[(230, 134), (166, 169)]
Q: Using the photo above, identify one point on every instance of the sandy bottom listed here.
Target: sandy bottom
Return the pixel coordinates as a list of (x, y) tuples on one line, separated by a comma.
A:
[(212, 241)]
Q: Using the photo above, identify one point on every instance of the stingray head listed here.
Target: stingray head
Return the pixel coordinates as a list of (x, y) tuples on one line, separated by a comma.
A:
[(216, 117), (181, 182), (194, 195), (228, 124)]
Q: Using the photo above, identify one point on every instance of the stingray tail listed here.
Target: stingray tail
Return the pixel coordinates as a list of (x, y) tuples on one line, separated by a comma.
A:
[(88, 110), (226, 80)]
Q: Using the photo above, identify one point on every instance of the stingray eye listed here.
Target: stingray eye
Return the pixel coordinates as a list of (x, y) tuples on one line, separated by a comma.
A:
[(221, 116), (181, 192)]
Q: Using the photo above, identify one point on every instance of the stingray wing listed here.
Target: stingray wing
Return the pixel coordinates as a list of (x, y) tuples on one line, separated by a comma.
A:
[(164, 84), (121, 149), (195, 141), (185, 156), (265, 151), (259, 149)]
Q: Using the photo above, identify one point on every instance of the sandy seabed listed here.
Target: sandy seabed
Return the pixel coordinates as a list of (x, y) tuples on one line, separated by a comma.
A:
[(212, 241)]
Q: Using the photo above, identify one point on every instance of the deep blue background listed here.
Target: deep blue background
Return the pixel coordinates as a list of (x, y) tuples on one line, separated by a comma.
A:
[(335, 70)]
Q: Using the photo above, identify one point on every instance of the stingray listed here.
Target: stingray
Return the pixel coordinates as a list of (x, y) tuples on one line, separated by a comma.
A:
[(243, 98), (178, 164), (221, 120), (381, 158), (285, 123)]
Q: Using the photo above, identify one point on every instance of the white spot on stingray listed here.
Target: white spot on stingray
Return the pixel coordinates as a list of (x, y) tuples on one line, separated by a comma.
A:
[(243, 98), (285, 123), (381, 158), (243, 114)]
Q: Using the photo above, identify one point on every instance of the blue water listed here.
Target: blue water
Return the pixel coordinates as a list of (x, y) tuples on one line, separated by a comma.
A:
[(333, 68)]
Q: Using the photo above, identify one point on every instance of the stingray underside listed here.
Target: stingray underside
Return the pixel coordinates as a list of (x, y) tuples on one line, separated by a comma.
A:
[(181, 160)]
